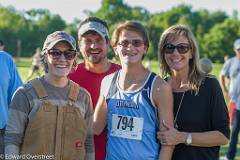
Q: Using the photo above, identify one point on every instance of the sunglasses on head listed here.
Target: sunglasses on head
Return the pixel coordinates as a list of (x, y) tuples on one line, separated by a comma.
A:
[(134, 42), (182, 48), (56, 54)]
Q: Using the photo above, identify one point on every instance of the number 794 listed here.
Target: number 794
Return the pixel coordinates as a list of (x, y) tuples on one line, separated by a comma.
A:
[(125, 122)]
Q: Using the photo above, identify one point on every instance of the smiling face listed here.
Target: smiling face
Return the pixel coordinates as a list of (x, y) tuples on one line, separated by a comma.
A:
[(130, 48), (93, 47), (60, 67), (175, 60)]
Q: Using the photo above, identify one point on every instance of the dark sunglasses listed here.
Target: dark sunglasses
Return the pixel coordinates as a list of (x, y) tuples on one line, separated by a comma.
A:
[(135, 43), (182, 48), (56, 54)]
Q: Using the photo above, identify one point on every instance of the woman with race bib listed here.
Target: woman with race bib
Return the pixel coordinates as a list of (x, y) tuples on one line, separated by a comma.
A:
[(134, 102)]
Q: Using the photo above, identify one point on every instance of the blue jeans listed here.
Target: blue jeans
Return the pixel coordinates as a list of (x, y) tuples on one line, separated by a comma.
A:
[(234, 137), (1, 145)]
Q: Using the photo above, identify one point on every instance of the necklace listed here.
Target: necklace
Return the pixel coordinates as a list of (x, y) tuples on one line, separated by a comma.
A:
[(179, 106)]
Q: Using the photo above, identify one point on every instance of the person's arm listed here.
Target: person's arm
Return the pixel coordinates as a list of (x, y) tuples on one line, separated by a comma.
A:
[(163, 99), (208, 139), (223, 78), (100, 116), (219, 111), (18, 117), (89, 143), (201, 139), (15, 80), (100, 113), (219, 135)]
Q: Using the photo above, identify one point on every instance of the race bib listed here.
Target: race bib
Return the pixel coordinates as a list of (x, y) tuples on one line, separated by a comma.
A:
[(127, 127)]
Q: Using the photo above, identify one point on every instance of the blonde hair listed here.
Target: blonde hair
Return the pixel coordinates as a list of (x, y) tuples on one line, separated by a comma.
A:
[(195, 75)]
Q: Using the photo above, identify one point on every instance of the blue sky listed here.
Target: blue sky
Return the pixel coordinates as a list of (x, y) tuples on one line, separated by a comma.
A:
[(70, 9)]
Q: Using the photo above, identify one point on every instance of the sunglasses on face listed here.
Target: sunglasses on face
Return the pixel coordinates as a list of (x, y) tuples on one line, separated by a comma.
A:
[(56, 54), (182, 48), (135, 43)]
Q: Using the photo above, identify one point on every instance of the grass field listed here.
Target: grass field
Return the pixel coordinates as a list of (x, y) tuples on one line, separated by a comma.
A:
[(24, 65)]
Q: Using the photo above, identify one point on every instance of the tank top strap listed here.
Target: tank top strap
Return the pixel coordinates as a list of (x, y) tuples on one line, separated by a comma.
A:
[(149, 83), (113, 87), (147, 93)]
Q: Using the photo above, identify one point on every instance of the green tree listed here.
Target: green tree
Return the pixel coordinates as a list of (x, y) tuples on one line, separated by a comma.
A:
[(12, 26), (219, 40), (30, 28), (160, 21), (41, 23), (215, 31), (115, 11)]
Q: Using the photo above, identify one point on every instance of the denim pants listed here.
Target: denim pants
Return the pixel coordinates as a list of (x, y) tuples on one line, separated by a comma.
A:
[(234, 136), (1, 145)]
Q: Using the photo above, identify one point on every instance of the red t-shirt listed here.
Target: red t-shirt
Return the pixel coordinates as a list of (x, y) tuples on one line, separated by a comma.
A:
[(92, 82)]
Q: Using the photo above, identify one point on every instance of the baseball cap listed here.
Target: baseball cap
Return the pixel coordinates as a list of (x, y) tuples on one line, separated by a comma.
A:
[(93, 26), (237, 44), (57, 36)]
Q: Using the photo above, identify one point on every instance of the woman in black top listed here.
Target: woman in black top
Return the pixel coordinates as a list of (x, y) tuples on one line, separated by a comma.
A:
[(201, 116)]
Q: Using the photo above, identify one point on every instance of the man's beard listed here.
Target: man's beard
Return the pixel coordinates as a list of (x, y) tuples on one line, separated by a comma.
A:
[(95, 59)]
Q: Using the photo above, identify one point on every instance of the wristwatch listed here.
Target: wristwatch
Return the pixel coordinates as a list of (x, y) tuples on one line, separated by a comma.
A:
[(189, 139)]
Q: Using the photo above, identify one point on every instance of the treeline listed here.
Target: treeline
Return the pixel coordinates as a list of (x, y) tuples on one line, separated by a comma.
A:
[(23, 32)]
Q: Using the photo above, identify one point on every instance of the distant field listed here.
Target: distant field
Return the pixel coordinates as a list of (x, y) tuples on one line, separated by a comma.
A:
[(24, 65)]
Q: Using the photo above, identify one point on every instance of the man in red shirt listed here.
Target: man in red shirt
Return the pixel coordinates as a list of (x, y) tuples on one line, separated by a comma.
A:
[(94, 43)]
